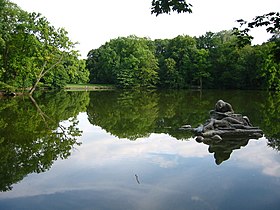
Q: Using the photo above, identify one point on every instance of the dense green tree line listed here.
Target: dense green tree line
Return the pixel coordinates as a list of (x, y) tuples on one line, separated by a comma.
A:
[(215, 60), (126, 62), (33, 52)]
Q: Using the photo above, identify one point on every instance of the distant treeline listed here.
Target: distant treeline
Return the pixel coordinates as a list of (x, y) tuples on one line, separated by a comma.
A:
[(213, 60)]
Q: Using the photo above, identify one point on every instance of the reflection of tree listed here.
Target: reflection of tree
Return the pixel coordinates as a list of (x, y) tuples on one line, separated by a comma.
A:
[(33, 137), (177, 108), (129, 114), (271, 119), (135, 114)]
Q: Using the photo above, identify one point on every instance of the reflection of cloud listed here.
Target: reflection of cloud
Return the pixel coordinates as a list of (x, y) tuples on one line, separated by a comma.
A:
[(99, 148), (106, 163), (99, 151), (196, 198), (259, 155), (103, 148), (165, 162)]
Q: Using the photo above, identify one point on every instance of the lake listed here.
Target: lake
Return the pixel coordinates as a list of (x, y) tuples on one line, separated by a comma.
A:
[(124, 150)]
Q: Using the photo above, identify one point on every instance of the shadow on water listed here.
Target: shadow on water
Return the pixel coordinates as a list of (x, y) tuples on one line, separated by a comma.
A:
[(33, 132)]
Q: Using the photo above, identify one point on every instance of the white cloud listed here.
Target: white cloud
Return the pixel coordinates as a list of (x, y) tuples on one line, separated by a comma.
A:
[(258, 155)]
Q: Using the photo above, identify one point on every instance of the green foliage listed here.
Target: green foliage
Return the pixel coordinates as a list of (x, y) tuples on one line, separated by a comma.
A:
[(169, 76), (127, 62), (5, 87), (213, 59), (32, 51), (271, 65), (176, 61), (165, 6), (201, 66), (270, 20), (271, 71)]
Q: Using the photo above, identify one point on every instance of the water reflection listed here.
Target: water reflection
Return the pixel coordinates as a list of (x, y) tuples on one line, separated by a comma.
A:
[(172, 174), (271, 119), (222, 149), (138, 124), (136, 114), (133, 156), (33, 135)]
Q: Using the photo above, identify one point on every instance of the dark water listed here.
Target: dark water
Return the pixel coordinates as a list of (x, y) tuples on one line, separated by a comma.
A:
[(123, 150)]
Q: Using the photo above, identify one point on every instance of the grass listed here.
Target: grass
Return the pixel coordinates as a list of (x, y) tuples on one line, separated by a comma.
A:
[(89, 87)]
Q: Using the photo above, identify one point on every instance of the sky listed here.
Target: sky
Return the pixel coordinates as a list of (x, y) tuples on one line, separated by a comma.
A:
[(94, 22)]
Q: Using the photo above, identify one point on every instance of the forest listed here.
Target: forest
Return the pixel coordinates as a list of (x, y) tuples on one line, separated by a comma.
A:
[(35, 54), (212, 61)]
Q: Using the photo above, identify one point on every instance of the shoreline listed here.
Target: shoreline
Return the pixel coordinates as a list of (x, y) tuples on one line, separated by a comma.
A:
[(69, 87), (88, 87)]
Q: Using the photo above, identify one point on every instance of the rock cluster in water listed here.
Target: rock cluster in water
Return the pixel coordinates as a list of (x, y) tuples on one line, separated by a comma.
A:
[(224, 123)]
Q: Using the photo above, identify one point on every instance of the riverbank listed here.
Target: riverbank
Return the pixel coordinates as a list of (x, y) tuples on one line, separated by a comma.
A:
[(82, 87), (68, 87)]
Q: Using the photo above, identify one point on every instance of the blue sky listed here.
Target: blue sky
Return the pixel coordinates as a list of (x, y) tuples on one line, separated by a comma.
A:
[(93, 22)]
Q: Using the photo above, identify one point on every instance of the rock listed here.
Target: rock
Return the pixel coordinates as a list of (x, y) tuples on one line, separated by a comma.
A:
[(199, 139), (216, 138), (186, 126), (224, 122), (223, 107), (199, 129)]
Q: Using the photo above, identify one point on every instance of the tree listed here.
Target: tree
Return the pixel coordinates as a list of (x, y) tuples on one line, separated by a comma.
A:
[(169, 76), (32, 51), (220, 64), (270, 20), (14, 45), (270, 69), (201, 66), (128, 62), (182, 50), (165, 6), (53, 46)]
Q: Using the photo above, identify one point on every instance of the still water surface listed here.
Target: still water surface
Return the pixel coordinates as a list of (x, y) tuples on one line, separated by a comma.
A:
[(123, 150)]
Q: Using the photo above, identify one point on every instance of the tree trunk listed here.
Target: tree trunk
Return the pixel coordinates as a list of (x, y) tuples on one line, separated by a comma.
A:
[(42, 73), (200, 82), (38, 80)]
